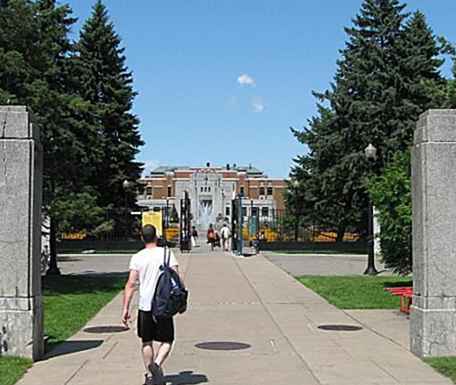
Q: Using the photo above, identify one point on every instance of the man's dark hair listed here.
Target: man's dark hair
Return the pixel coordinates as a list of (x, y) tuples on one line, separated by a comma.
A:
[(149, 234)]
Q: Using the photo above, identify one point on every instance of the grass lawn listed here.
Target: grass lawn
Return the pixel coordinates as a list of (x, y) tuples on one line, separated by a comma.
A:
[(69, 302), (444, 365), (12, 368), (356, 292)]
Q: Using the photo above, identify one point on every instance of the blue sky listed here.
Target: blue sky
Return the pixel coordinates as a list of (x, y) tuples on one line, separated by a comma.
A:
[(189, 57)]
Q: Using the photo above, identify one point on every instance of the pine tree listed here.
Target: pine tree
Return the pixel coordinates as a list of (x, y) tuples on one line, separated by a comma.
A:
[(36, 71), (107, 84), (385, 79)]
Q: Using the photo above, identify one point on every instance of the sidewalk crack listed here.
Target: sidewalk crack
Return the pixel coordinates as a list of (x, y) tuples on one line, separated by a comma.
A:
[(76, 372)]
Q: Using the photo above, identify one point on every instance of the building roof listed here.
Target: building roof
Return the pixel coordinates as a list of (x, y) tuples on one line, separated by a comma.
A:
[(250, 170)]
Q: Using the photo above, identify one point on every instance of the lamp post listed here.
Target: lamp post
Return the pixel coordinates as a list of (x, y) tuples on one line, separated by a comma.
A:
[(371, 155), (126, 185)]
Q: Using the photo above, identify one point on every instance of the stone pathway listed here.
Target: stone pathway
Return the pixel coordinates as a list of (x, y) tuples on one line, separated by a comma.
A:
[(248, 301)]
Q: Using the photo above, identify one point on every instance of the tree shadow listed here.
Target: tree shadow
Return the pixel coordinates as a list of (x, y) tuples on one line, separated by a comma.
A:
[(61, 348), (83, 283), (186, 377), (398, 284)]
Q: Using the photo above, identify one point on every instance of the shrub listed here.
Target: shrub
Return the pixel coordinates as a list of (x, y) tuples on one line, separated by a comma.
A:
[(391, 195)]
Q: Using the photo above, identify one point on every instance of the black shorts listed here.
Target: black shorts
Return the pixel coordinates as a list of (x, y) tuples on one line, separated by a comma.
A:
[(149, 330)]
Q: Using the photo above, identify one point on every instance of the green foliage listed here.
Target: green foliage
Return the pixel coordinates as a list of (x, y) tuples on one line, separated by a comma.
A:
[(356, 292), (81, 98), (391, 195), (77, 211), (106, 82), (388, 74)]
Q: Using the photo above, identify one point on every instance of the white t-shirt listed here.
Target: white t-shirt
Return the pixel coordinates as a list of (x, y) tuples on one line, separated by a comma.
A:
[(225, 232), (147, 262)]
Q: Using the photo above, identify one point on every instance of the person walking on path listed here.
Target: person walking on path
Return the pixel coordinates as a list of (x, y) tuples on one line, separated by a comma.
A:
[(211, 238), (225, 233), (145, 268), (194, 236)]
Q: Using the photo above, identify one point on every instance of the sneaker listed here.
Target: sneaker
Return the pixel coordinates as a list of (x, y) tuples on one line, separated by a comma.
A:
[(149, 380), (157, 374)]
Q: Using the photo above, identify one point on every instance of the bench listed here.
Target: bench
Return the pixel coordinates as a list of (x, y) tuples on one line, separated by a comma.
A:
[(405, 293)]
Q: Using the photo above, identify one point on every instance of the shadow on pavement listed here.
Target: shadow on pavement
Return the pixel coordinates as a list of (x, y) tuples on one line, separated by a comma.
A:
[(74, 346), (186, 378)]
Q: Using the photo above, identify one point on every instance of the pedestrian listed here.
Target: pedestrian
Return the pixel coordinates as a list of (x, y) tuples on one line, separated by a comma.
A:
[(225, 233), (145, 269), (194, 236), (211, 236)]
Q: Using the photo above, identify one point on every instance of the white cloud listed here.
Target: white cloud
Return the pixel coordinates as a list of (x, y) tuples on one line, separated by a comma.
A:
[(150, 165), (246, 80), (258, 105)]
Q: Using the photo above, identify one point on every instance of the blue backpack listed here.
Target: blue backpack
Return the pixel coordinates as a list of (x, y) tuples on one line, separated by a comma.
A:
[(170, 296)]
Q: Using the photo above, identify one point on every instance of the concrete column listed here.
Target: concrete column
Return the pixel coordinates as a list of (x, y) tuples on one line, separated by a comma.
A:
[(21, 326), (433, 314)]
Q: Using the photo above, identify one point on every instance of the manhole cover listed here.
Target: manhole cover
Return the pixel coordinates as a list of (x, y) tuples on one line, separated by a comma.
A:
[(221, 345), (105, 329), (340, 328)]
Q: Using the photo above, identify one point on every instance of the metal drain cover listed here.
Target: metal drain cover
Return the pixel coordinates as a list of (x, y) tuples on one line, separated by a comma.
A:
[(105, 329), (222, 345), (340, 328)]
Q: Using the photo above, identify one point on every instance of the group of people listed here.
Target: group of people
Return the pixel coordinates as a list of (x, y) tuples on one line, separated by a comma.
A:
[(219, 239)]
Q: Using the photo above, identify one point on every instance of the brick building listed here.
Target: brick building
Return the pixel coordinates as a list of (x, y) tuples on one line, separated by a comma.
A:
[(211, 190)]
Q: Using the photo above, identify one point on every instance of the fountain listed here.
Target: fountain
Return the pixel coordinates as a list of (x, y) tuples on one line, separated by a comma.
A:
[(205, 213)]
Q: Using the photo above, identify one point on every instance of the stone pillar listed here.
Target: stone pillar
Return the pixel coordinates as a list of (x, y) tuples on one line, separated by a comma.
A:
[(433, 314), (21, 326)]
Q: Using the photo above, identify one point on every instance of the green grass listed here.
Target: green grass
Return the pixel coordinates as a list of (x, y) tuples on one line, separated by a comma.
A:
[(444, 365), (356, 292), (69, 302), (12, 369)]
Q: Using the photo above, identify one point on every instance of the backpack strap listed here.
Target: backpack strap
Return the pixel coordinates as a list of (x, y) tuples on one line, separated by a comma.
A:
[(166, 256)]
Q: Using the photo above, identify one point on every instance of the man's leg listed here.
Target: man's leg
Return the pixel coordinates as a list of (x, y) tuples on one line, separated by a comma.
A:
[(163, 352), (148, 355)]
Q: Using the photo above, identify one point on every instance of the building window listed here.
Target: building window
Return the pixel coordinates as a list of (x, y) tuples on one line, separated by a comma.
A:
[(265, 211), (269, 190), (244, 211), (202, 189), (254, 211), (169, 191), (241, 190), (208, 189), (149, 191), (261, 190), (227, 211)]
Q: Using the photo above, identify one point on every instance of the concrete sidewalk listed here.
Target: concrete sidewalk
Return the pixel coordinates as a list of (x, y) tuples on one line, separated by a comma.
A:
[(248, 301)]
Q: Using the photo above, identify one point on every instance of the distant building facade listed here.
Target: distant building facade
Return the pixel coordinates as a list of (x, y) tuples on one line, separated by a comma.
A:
[(211, 190)]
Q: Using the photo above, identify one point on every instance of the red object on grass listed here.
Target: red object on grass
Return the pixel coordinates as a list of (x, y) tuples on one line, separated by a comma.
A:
[(406, 294)]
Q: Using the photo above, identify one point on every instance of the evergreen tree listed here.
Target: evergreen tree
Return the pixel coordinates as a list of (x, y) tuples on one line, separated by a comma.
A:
[(385, 79), (35, 70), (107, 84)]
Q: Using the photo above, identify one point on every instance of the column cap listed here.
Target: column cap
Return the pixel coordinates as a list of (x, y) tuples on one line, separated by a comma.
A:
[(436, 126), (15, 123)]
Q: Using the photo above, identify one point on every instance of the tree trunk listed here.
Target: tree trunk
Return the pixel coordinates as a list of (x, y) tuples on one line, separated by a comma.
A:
[(340, 233), (53, 268)]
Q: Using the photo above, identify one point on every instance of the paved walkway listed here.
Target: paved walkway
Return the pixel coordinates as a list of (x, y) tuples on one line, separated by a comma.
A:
[(250, 301), (322, 264)]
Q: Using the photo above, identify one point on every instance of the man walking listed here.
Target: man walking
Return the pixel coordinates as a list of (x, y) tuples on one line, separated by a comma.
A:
[(225, 232), (145, 268)]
